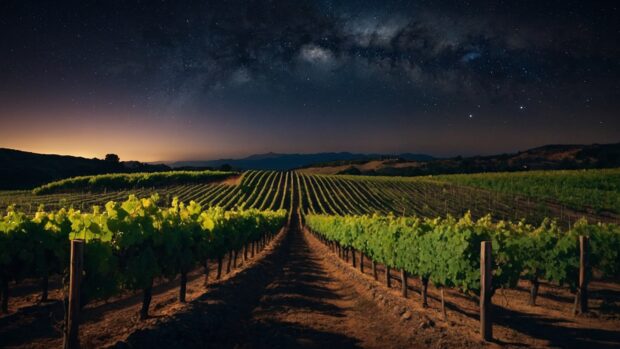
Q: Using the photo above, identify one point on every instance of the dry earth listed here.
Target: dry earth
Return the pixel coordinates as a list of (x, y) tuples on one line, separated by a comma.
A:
[(297, 293)]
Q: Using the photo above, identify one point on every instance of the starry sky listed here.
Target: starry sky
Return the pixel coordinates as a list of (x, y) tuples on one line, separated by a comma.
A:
[(180, 80)]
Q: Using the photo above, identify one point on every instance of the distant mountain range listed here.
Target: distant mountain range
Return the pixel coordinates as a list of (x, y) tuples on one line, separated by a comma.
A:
[(548, 157), (275, 161), (25, 170)]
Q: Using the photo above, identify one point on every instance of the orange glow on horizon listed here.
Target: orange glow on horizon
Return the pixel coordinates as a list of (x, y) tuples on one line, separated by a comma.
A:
[(134, 137)]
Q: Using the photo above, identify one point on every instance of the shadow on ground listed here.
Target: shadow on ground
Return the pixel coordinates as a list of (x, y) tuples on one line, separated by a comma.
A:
[(250, 310)]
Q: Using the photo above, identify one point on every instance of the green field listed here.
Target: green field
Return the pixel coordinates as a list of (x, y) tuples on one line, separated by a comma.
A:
[(598, 190), (119, 181), (533, 196), (430, 228)]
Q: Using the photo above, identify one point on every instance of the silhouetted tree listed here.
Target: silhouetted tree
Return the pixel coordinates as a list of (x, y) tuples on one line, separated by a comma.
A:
[(112, 158)]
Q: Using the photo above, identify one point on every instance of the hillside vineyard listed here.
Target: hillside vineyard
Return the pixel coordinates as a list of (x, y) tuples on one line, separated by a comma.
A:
[(427, 229), (341, 195)]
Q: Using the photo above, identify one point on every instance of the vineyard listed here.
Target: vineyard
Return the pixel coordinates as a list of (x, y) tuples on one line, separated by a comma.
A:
[(274, 174), (140, 236), (129, 180), (429, 197), (342, 195), (598, 190), (254, 189), (444, 250), (128, 245)]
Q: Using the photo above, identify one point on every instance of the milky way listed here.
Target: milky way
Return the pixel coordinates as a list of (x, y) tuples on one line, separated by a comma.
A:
[(478, 76)]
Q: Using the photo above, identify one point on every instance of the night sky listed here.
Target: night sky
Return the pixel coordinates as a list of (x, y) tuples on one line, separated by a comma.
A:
[(178, 80)]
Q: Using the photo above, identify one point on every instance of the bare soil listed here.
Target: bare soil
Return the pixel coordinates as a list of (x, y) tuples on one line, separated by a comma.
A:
[(233, 180), (295, 298), (550, 323), (31, 324), (298, 294)]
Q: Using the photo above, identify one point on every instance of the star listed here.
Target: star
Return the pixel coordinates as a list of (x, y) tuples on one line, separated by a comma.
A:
[(521, 107), (471, 116)]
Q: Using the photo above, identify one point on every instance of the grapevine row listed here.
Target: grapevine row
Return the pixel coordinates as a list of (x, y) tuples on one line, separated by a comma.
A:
[(128, 244), (332, 194), (444, 250)]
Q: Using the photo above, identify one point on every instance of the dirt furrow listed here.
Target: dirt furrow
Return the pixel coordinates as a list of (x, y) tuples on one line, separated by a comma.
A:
[(289, 299)]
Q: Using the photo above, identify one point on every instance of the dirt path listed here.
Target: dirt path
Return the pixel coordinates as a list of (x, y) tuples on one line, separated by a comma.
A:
[(298, 294), (308, 306), (302, 296), (290, 299)]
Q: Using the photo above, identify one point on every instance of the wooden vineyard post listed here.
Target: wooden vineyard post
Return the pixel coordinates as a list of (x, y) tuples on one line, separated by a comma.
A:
[(374, 269), (206, 282), (353, 257), (582, 291), (443, 305), (183, 286), (229, 262), (425, 292), (535, 284), (486, 321), (388, 281), (44, 288), (4, 294), (72, 320), (147, 297), (362, 262), (403, 278), (219, 267)]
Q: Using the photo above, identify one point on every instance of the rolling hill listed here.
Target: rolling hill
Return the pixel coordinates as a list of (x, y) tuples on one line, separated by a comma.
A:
[(276, 161), (548, 157), (25, 170)]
